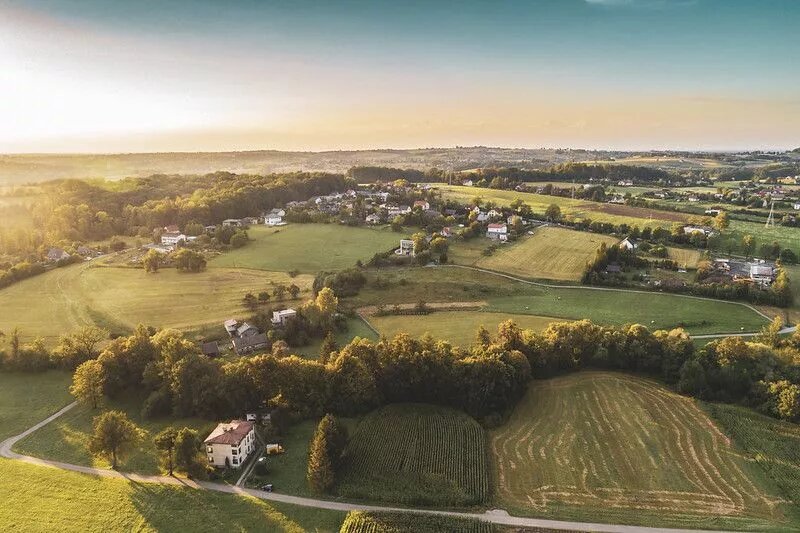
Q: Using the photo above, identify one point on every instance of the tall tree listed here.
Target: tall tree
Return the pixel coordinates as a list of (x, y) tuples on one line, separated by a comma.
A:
[(114, 435), (165, 444), (187, 450), (326, 448), (152, 261), (87, 383)]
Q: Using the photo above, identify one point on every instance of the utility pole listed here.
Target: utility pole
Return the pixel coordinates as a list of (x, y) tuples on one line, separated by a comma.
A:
[(771, 218)]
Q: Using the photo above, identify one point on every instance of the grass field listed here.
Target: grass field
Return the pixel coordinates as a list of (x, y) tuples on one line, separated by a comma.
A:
[(308, 248), (685, 257), (655, 310), (786, 236), (578, 209), (66, 438), (355, 328), (26, 399), (550, 253), (45, 499), (458, 327), (615, 448), (366, 522), (118, 299), (416, 454)]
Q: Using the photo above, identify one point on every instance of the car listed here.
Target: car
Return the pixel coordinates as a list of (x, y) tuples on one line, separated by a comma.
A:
[(267, 487)]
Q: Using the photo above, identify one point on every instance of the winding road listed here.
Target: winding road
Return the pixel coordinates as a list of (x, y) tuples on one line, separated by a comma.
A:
[(495, 516)]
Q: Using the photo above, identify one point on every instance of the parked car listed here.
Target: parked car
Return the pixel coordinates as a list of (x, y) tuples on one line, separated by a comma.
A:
[(267, 487)]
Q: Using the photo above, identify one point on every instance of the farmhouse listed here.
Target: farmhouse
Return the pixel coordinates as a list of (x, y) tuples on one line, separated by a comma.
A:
[(233, 222), (229, 445), (274, 220), (467, 183), (406, 247), (628, 244), (57, 254), (245, 337), (422, 204), (210, 349), (280, 318), (374, 218), (497, 232), (172, 239)]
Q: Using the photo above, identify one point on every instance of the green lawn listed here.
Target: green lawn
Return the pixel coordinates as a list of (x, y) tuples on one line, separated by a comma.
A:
[(29, 398), (614, 448), (355, 328), (66, 438), (458, 327), (308, 248), (118, 299), (45, 499)]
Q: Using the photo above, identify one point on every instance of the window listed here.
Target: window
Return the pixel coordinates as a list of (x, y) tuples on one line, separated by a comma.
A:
[(235, 451), (210, 458), (235, 461), (209, 449)]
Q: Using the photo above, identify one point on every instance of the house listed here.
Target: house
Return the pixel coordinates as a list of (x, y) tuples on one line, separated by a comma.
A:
[(374, 218), (210, 349), (406, 247), (712, 212), (231, 325), (246, 330), (482, 217), (796, 206), (494, 213), (57, 254), (497, 232), (229, 445), (628, 244), (85, 251), (249, 221), (249, 343), (274, 220), (625, 183), (172, 239), (705, 230), (394, 210), (422, 204), (233, 222), (210, 229), (172, 228), (446, 232), (280, 318), (467, 183), (763, 274)]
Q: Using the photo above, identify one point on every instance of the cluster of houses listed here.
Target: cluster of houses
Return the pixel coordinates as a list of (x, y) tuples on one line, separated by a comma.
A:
[(245, 337), (761, 273)]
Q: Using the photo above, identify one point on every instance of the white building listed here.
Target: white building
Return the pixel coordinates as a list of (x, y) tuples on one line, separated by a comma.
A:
[(172, 238), (274, 220), (230, 444), (628, 244), (279, 318), (497, 231), (374, 218), (406, 247)]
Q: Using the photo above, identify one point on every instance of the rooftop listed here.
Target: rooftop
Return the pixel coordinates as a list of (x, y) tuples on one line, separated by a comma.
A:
[(231, 433)]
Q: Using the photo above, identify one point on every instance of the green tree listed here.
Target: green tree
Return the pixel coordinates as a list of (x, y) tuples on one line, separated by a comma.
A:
[(152, 261), (553, 213), (187, 453), (189, 260), (420, 242), (748, 245), (165, 444), (721, 221), (193, 229), (769, 333), (326, 448), (238, 239), (250, 301), (328, 347), (114, 435), (279, 291), (294, 291), (88, 382), (692, 379), (74, 349)]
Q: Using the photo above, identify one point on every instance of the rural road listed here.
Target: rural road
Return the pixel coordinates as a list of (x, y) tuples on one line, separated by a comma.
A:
[(493, 516)]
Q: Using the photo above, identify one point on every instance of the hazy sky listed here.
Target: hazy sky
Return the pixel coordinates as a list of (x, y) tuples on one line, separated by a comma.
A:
[(104, 76)]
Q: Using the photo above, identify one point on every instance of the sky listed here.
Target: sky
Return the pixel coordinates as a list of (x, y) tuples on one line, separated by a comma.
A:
[(203, 75)]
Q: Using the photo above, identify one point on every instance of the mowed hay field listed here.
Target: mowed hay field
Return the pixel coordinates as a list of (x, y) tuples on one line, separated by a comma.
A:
[(417, 455), (118, 299), (37, 498), (458, 327), (550, 253), (308, 248), (609, 447)]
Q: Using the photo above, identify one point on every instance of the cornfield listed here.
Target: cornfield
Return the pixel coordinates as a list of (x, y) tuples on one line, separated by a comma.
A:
[(361, 522), (416, 454)]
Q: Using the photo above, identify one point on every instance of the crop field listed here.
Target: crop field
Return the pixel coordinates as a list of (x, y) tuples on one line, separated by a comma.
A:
[(685, 257), (416, 454), (28, 398), (615, 448), (398, 522), (66, 438), (308, 248), (578, 209), (37, 498), (118, 299), (458, 327), (550, 253), (653, 309)]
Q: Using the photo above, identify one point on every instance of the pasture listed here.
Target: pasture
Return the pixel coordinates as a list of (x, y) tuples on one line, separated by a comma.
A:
[(398, 522), (685, 257), (118, 299), (621, 449), (550, 253), (786, 236), (29, 398), (416, 455), (37, 498), (458, 327), (66, 438), (308, 248), (570, 208)]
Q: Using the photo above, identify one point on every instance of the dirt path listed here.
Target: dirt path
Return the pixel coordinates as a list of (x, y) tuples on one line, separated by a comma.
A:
[(495, 516)]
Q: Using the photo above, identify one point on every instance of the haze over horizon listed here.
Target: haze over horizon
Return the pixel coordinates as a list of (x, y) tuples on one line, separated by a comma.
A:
[(112, 77)]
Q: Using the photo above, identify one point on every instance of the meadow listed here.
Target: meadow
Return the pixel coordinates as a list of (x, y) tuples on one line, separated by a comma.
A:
[(571, 208), (398, 522), (308, 248), (458, 327), (355, 328), (685, 257), (66, 438), (786, 236), (615, 448), (37, 498), (118, 299), (26, 399), (417, 455), (550, 253), (653, 309)]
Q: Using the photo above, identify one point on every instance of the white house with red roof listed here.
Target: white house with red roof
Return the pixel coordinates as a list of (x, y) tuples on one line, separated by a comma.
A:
[(230, 444), (497, 232)]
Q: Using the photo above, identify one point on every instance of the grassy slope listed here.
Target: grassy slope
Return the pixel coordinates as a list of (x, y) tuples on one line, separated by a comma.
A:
[(67, 298), (662, 311), (786, 236), (685, 257), (308, 247), (416, 454), (66, 438), (355, 328), (44, 499), (551, 253), (26, 399), (615, 448), (458, 327)]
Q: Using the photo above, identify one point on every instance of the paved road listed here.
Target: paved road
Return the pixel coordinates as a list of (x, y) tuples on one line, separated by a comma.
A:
[(495, 516)]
